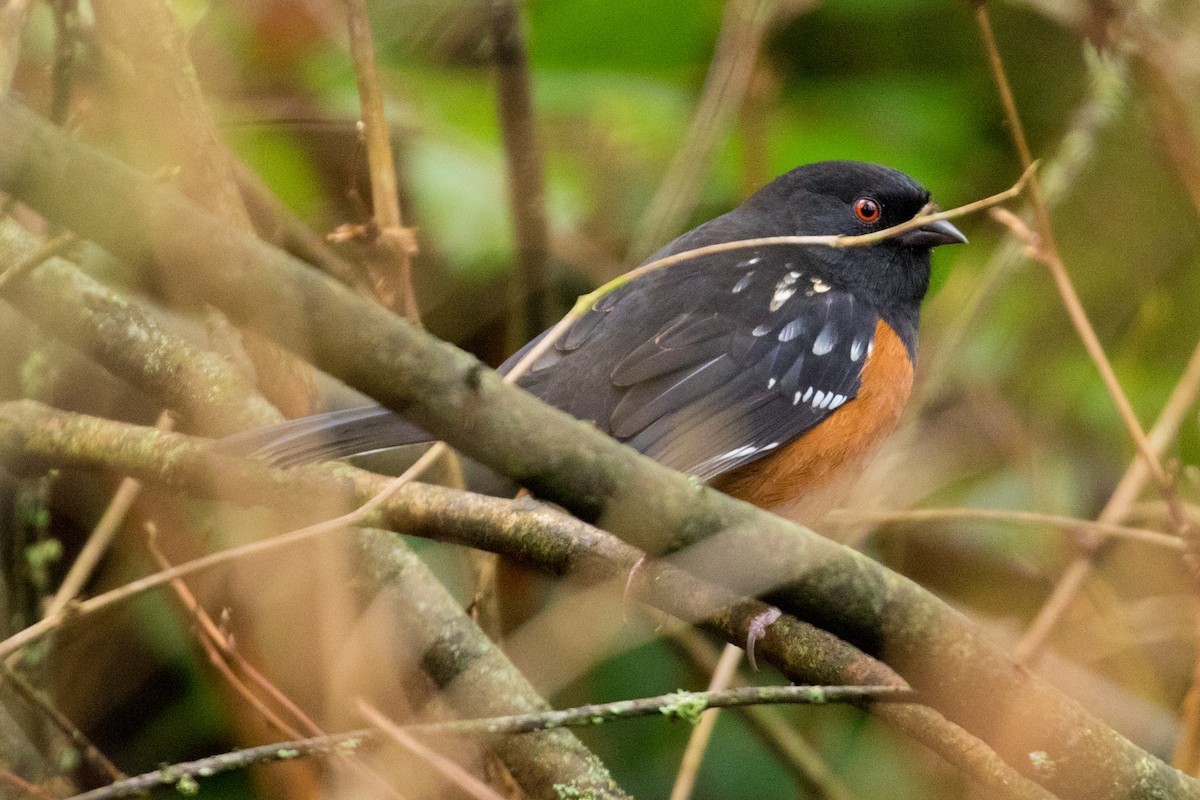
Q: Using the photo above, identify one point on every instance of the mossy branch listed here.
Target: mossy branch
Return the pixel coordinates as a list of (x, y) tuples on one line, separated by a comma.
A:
[(941, 653)]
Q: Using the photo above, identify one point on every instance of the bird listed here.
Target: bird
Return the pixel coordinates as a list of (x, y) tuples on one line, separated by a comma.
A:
[(771, 372)]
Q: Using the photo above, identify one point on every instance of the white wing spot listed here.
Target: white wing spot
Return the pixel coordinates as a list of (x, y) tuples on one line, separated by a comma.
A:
[(826, 339), (808, 394), (819, 286), (743, 282), (771, 383), (870, 347), (796, 399), (837, 400), (856, 349), (791, 330), (819, 399), (784, 290), (749, 262), (761, 330)]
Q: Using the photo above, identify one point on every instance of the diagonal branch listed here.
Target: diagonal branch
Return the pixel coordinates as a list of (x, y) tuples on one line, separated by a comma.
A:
[(744, 29), (451, 395), (1048, 254), (398, 242), (527, 532)]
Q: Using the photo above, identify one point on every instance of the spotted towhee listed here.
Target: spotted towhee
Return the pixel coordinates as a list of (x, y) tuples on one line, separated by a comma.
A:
[(770, 372)]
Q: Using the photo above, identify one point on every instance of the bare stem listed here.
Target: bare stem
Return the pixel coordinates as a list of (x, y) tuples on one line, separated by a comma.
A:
[(743, 30), (1046, 250), (398, 241), (102, 536), (679, 705), (448, 769), (1074, 524), (526, 181), (693, 754)]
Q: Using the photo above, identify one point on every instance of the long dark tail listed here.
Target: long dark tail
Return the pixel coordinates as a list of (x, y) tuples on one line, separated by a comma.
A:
[(337, 434), (321, 437)]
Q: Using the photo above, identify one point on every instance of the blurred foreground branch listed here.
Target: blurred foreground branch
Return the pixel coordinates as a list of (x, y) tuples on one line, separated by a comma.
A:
[(936, 649), (525, 531)]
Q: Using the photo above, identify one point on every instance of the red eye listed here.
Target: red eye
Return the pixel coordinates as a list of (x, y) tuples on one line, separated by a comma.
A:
[(867, 209)]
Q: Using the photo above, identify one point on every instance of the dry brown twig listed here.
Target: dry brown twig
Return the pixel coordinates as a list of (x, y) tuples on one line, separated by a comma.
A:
[(744, 28), (679, 705), (102, 535), (224, 656), (40, 628), (1043, 248), (693, 754), (1070, 524), (221, 652), (1106, 99), (83, 746), (1046, 251), (528, 310), (1173, 123), (445, 767), (22, 785), (396, 240), (1118, 507)]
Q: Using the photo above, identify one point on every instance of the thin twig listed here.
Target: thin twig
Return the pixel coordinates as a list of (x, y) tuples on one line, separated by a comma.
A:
[(779, 736), (1047, 252), (216, 645), (1107, 96), (102, 535), (40, 628), (448, 769), (836, 241), (397, 241), (693, 754), (1073, 524), (1173, 122), (69, 729), (23, 785), (685, 706), (184, 775), (1162, 433), (743, 29), (1037, 247), (526, 179), (49, 623), (223, 656)]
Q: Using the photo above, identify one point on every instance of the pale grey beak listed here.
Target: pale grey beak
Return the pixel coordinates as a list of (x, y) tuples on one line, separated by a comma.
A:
[(933, 234)]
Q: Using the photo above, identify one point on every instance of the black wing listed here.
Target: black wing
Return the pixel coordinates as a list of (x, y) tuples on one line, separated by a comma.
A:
[(754, 351), (705, 366)]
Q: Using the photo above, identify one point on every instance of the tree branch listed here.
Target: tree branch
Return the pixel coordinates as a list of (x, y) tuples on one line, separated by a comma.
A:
[(451, 395), (525, 531)]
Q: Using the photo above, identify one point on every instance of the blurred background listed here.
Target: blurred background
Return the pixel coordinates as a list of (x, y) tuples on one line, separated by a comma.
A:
[(650, 118)]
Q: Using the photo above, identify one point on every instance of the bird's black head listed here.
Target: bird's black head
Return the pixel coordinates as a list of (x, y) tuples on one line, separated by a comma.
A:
[(848, 198)]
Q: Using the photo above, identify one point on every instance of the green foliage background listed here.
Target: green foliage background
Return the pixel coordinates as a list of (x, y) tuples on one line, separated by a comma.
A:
[(1018, 413)]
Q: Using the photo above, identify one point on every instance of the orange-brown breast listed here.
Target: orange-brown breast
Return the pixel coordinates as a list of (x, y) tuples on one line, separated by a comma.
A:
[(814, 470)]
